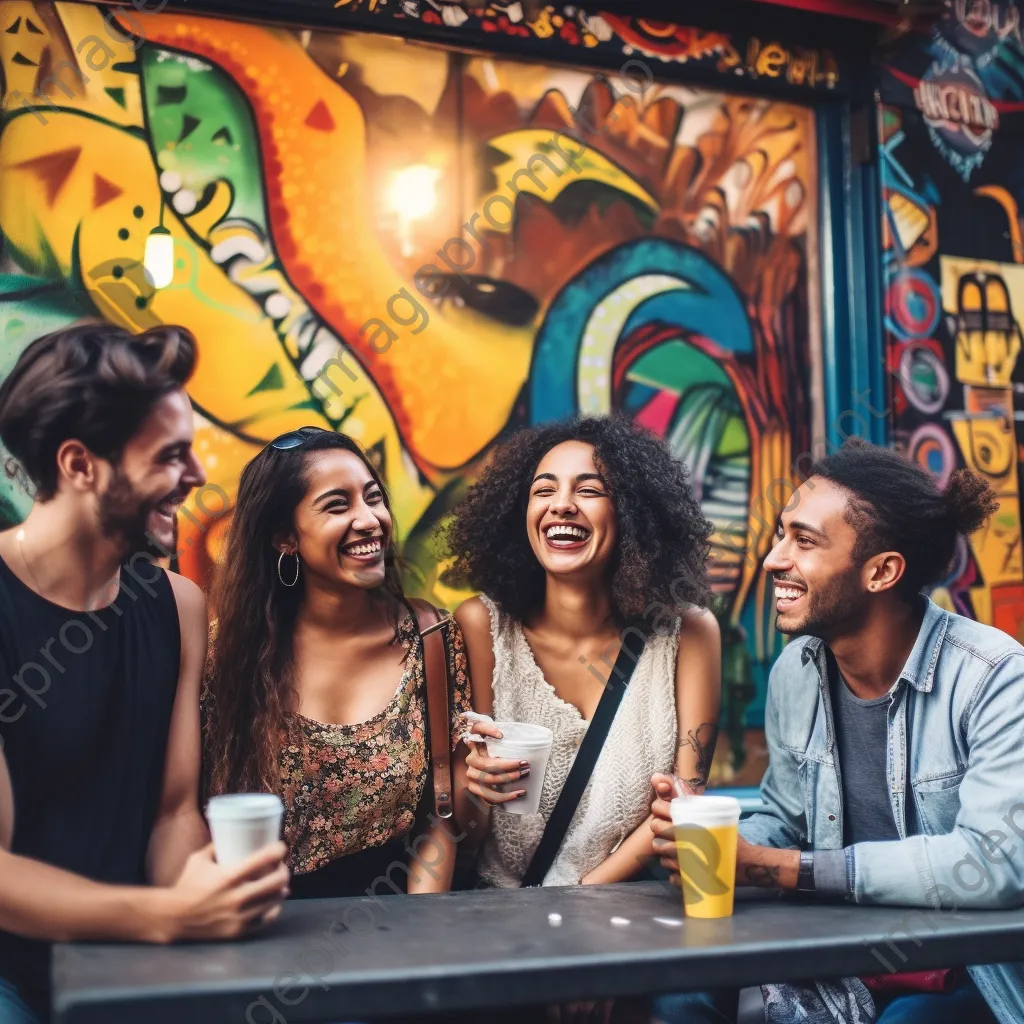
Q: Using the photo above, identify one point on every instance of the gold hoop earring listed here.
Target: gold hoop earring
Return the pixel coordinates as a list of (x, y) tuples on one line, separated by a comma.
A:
[(298, 564)]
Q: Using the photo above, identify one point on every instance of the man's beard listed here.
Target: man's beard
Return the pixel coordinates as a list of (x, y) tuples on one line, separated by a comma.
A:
[(835, 605), (124, 517)]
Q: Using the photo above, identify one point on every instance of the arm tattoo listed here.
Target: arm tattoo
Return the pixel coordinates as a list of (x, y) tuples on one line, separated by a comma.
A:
[(762, 874), (702, 741)]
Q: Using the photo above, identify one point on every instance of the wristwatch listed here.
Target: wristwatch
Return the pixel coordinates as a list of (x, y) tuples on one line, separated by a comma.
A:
[(805, 876)]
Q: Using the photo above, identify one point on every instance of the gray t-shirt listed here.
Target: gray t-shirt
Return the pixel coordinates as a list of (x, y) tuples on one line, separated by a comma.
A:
[(862, 738)]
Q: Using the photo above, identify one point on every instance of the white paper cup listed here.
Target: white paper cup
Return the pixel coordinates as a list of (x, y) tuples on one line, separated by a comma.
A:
[(243, 823), (706, 840), (523, 742)]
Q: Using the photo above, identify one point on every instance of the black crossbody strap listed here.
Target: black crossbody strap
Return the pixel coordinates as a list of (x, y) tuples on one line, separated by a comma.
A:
[(586, 758)]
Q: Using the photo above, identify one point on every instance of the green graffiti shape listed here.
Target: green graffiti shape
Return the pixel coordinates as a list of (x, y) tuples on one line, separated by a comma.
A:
[(202, 128)]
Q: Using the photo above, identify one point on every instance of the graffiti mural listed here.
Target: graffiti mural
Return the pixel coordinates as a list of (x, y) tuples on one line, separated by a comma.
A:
[(954, 263), (968, 76), (563, 28), (425, 250)]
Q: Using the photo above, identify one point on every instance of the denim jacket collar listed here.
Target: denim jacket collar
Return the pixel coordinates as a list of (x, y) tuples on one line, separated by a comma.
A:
[(919, 670)]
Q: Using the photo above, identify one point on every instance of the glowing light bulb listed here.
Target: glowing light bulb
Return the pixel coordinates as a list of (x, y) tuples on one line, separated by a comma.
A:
[(159, 259), (413, 191)]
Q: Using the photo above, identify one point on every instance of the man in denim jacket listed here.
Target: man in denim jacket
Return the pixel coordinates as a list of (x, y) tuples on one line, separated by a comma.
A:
[(895, 731)]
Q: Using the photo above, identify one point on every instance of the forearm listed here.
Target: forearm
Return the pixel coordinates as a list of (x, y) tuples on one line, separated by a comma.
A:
[(768, 868), (698, 697), (39, 901), (432, 861), (632, 854), (173, 840), (693, 759), (472, 814)]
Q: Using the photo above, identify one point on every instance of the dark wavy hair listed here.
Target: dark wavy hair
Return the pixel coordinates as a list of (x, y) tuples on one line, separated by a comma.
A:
[(91, 381), (662, 548), (250, 696), (895, 505)]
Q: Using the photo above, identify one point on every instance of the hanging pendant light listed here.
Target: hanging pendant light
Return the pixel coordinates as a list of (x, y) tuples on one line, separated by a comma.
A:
[(158, 261)]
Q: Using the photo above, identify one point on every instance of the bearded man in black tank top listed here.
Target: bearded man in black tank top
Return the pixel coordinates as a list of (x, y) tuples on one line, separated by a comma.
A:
[(101, 656)]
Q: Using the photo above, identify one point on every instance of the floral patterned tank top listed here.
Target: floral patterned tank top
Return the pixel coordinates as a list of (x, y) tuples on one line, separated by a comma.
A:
[(349, 788)]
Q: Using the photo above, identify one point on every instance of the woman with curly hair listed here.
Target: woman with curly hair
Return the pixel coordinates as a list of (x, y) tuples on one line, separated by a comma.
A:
[(316, 688), (575, 532)]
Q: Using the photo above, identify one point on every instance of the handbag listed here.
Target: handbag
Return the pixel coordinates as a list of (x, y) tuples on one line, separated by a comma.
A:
[(586, 758), (432, 626)]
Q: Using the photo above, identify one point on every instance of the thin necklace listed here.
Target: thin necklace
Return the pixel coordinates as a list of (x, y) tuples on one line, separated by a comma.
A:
[(20, 536), (21, 548)]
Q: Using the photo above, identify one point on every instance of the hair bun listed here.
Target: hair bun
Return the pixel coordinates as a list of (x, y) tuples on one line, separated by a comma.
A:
[(971, 501)]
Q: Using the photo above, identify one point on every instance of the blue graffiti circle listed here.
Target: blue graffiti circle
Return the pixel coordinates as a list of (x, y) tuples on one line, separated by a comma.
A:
[(913, 305)]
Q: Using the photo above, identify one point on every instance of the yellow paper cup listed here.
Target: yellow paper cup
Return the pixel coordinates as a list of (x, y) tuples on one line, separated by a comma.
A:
[(706, 838)]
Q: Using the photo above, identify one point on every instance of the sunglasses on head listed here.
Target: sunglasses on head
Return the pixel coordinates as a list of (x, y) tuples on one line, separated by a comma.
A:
[(295, 438)]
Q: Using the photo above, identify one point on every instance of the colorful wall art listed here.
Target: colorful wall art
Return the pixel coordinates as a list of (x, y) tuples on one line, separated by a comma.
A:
[(425, 249), (952, 160), (569, 27)]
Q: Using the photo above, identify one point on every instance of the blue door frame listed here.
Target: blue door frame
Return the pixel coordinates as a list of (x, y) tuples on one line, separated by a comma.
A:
[(853, 343)]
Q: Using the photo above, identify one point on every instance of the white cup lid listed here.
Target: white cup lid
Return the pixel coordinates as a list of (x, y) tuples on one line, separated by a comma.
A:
[(524, 734), (708, 811), (245, 805)]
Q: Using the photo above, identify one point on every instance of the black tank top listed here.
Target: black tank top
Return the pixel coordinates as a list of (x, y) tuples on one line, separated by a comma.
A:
[(85, 710)]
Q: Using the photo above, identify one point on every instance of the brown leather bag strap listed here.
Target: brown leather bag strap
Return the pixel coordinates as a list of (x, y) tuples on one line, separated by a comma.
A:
[(432, 625)]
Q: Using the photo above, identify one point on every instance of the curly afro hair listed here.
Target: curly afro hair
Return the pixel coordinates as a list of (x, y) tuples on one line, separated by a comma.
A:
[(661, 554)]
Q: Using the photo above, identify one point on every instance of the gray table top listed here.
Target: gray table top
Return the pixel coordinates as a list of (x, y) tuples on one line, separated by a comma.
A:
[(350, 959)]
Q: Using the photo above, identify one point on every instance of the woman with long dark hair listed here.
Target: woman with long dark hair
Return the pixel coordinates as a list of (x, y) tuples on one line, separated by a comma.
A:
[(316, 682), (580, 535)]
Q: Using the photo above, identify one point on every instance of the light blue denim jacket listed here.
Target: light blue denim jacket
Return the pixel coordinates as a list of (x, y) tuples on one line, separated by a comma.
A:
[(955, 754)]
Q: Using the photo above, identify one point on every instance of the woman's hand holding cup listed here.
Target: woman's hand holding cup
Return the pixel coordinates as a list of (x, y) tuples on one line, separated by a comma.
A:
[(666, 789), (486, 774), (661, 824)]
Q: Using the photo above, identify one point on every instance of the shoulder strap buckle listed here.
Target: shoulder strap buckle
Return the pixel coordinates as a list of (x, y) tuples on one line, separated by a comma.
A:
[(444, 618)]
